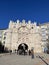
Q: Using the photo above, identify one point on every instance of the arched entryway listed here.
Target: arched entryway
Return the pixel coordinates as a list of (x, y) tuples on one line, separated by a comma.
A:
[(22, 48)]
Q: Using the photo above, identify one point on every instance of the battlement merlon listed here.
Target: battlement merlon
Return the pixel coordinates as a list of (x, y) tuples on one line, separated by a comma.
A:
[(18, 23)]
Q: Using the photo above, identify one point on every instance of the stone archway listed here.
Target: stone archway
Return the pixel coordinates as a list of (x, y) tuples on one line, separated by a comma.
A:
[(22, 48)]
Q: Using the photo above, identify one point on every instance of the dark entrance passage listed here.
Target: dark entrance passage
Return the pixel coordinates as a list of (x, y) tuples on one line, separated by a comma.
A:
[(22, 49)]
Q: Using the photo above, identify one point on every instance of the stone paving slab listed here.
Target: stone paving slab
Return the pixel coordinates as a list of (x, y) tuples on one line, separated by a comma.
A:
[(46, 57), (15, 59)]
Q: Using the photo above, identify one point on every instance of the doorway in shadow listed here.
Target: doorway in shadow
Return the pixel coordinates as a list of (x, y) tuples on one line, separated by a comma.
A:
[(22, 49)]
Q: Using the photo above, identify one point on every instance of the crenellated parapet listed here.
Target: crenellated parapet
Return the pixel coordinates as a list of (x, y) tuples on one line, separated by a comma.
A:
[(18, 24)]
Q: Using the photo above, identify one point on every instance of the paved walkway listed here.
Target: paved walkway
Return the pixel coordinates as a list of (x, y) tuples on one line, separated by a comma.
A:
[(15, 59)]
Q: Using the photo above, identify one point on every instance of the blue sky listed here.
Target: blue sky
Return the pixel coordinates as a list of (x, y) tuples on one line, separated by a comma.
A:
[(34, 10)]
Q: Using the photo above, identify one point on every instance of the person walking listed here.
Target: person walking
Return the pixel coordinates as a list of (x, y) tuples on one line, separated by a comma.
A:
[(32, 53), (29, 52)]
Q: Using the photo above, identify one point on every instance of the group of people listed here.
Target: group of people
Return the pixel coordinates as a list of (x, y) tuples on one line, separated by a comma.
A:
[(23, 52), (31, 52)]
